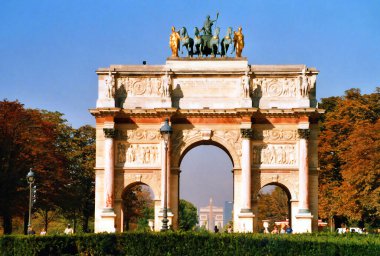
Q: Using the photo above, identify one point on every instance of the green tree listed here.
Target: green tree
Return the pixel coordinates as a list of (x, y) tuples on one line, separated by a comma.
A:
[(188, 216), (78, 197)]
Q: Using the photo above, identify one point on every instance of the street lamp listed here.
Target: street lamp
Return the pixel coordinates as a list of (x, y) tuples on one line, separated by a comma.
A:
[(30, 179), (165, 131)]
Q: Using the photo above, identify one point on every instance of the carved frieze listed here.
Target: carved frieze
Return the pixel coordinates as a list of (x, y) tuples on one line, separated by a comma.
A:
[(139, 135), (137, 154), (274, 154), (283, 87), (275, 135), (135, 87)]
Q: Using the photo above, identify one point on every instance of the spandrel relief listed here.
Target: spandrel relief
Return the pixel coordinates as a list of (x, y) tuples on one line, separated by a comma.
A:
[(137, 154), (274, 155)]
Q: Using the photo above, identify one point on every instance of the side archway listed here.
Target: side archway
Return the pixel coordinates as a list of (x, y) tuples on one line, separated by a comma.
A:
[(273, 207), (137, 207)]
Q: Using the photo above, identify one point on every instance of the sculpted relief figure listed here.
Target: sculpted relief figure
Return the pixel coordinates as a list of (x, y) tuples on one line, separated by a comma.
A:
[(238, 42), (274, 154), (110, 85), (138, 154), (245, 84), (174, 42), (306, 83), (166, 83)]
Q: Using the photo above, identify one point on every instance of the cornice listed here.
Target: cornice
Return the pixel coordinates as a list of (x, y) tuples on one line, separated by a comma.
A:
[(212, 113)]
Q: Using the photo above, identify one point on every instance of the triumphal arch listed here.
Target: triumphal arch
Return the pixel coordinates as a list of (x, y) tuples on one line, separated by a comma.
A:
[(263, 116)]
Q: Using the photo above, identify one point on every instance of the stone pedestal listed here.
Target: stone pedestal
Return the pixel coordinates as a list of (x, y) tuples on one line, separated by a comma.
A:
[(245, 224), (303, 223), (107, 222)]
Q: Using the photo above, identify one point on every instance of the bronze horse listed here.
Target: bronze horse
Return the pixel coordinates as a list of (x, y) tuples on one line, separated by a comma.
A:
[(225, 42), (186, 41)]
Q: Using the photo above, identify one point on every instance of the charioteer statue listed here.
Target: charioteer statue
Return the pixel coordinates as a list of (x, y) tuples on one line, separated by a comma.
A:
[(207, 42)]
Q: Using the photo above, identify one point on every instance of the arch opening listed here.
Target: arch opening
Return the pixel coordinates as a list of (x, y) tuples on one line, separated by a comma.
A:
[(273, 209), (137, 207), (206, 181)]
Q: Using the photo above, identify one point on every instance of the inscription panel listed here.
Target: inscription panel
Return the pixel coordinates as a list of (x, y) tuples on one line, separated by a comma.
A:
[(207, 87)]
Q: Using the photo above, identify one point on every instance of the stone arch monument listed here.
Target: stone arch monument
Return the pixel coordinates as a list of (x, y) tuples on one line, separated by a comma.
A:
[(263, 116)]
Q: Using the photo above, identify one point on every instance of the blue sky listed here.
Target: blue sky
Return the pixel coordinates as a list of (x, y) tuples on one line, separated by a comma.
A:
[(50, 49)]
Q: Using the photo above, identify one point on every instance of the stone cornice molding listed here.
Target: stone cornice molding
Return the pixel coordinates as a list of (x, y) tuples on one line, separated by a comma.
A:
[(183, 113), (102, 112)]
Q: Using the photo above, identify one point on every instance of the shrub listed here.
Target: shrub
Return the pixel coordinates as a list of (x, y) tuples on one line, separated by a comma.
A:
[(190, 243)]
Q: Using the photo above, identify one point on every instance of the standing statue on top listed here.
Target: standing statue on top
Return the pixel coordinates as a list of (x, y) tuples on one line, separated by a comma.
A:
[(208, 25), (238, 42), (206, 41), (174, 42)]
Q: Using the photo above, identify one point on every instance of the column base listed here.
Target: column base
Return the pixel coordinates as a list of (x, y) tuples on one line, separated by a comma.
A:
[(245, 222), (303, 211), (107, 221), (303, 223), (161, 217)]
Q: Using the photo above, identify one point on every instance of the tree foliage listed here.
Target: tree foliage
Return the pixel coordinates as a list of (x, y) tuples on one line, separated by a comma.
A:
[(273, 206), (138, 207), (62, 159), (27, 139), (349, 157), (188, 215)]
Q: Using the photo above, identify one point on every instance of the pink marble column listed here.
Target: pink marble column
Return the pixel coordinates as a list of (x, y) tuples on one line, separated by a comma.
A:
[(163, 174), (168, 176), (246, 170), (303, 205), (109, 134)]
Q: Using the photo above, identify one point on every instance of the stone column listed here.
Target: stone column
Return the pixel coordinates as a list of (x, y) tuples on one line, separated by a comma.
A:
[(168, 176), (303, 171), (109, 161), (246, 170), (163, 175)]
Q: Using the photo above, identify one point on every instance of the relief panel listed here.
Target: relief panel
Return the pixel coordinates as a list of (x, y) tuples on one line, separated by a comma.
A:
[(285, 154)]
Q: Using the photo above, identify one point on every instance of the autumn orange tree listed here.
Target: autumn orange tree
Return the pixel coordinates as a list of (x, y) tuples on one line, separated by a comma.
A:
[(273, 206), (349, 158), (62, 158), (27, 140)]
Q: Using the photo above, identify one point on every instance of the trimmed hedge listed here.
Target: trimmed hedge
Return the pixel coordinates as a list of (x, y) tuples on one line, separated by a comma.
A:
[(181, 243)]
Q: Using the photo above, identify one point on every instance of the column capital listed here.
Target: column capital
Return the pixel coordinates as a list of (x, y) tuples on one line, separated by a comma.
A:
[(304, 133), (109, 132), (246, 133)]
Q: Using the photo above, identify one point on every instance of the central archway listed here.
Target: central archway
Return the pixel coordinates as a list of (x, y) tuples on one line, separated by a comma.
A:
[(206, 174)]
